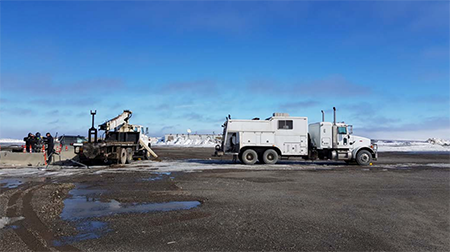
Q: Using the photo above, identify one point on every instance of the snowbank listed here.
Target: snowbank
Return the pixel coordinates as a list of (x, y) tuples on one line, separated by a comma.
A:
[(187, 141), (9, 141), (439, 141), (432, 144)]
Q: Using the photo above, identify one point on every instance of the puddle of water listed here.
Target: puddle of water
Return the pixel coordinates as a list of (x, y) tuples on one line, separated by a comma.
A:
[(78, 207), (86, 231), (11, 182), (84, 204), (159, 176)]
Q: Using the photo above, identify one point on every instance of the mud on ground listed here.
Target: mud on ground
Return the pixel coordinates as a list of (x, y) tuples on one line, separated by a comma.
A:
[(344, 208)]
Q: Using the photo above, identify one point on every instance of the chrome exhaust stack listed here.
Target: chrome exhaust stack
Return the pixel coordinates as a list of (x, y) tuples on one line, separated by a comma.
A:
[(334, 112), (323, 116), (334, 131)]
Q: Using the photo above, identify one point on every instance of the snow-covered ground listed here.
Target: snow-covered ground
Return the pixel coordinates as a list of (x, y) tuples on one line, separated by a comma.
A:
[(432, 144), (9, 141), (185, 141), (26, 173)]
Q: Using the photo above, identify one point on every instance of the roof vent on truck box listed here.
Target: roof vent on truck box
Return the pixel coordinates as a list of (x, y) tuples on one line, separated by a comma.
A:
[(280, 114)]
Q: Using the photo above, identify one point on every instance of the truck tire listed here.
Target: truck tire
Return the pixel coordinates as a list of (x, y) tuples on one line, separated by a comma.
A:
[(249, 157), (363, 157), (146, 155), (122, 156), (129, 156), (270, 156)]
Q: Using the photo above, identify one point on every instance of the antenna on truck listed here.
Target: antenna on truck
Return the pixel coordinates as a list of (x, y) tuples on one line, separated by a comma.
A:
[(323, 116)]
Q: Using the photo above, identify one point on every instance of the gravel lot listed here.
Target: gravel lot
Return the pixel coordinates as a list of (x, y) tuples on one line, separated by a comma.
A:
[(401, 203)]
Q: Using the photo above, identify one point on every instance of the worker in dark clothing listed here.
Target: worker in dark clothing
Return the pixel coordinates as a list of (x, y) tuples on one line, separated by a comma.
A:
[(39, 142), (49, 147), (28, 141), (33, 142)]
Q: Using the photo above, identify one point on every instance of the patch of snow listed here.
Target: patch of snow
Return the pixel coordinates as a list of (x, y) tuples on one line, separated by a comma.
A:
[(431, 145), (9, 141), (438, 141), (186, 141), (5, 221), (191, 165)]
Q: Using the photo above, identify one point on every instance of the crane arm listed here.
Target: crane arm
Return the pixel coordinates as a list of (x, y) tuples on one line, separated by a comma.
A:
[(117, 121)]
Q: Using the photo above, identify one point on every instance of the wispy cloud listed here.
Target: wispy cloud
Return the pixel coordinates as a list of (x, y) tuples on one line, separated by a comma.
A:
[(200, 87), (15, 111), (427, 99), (213, 16), (333, 86), (436, 52), (66, 101), (433, 16), (430, 123), (46, 86), (299, 105)]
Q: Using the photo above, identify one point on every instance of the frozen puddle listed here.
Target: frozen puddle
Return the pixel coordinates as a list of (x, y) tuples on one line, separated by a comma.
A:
[(79, 208), (86, 230), (84, 204), (11, 182), (159, 176)]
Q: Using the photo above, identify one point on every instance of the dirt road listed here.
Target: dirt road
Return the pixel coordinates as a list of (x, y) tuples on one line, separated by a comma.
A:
[(401, 203)]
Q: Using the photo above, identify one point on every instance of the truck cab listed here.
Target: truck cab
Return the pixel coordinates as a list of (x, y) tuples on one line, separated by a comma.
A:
[(336, 141)]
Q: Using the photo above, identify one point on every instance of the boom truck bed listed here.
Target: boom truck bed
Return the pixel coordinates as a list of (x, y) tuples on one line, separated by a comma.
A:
[(122, 144), (281, 135)]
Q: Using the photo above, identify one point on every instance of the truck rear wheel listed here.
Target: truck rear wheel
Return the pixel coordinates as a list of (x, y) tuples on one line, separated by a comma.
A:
[(270, 156), (123, 156), (249, 157), (363, 157), (129, 156)]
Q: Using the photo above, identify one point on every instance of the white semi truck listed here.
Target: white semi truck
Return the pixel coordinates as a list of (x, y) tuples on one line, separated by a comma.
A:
[(282, 136)]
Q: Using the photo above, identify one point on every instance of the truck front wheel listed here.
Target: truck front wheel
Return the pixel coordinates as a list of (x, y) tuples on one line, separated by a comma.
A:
[(249, 157), (123, 156), (363, 157), (270, 156)]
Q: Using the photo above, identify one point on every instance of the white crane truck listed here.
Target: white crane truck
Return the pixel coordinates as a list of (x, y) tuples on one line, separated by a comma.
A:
[(122, 142), (283, 136)]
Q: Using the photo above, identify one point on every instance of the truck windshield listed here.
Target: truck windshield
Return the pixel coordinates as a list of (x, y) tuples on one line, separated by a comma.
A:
[(342, 130)]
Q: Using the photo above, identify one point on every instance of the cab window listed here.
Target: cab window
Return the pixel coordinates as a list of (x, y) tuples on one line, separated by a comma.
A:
[(285, 124), (342, 130)]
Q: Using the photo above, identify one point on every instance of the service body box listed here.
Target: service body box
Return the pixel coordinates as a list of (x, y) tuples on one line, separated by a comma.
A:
[(288, 134)]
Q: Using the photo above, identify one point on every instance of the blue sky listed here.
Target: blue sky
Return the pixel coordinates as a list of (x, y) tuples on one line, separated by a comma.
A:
[(180, 65)]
